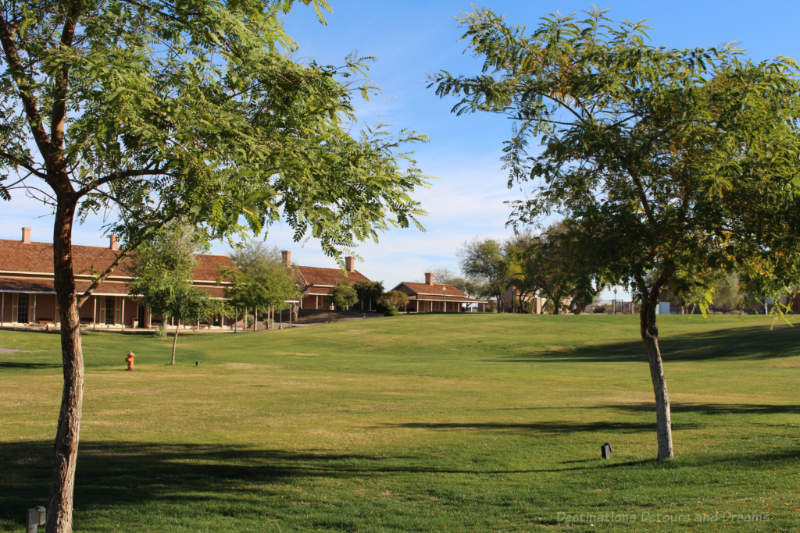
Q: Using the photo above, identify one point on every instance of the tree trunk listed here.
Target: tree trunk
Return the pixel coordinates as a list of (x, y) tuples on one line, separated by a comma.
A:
[(175, 342), (59, 505), (649, 331)]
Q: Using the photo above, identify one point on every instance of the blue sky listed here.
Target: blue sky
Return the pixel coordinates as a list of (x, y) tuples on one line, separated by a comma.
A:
[(413, 39)]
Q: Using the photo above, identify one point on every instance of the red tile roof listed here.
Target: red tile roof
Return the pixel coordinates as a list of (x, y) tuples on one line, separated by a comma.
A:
[(16, 256), (326, 277), (435, 292)]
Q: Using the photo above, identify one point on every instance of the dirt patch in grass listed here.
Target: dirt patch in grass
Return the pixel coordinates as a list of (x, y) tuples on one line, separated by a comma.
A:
[(298, 354), (8, 350)]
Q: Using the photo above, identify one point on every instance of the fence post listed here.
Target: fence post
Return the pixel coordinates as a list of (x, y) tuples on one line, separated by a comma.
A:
[(37, 516)]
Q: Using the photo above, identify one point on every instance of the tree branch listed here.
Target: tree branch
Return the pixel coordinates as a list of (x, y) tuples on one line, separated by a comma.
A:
[(62, 79), (102, 276), (114, 176), (20, 163), (125, 252), (8, 34)]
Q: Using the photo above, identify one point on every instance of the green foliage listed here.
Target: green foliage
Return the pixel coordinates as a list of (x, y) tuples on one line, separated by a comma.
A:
[(669, 163), (394, 300), (391, 311), (260, 281), (154, 111), (485, 262), (344, 296), (368, 293), (552, 265), (162, 271)]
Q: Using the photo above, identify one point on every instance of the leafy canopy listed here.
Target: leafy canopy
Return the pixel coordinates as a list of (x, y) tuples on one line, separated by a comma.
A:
[(344, 295), (162, 270), (150, 111), (487, 267), (261, 280), (673, 164), (394, 300)]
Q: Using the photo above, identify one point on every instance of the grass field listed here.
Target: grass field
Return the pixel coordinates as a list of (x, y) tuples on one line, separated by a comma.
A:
[(417, 423)]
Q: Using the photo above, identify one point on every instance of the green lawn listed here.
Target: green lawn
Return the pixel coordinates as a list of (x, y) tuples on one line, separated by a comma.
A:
[(418, 423)]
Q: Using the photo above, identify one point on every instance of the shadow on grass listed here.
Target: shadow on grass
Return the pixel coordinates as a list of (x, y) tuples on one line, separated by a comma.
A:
[(111, 473), (710, 408), (545, 427), (757, 342), (27, 366), (135, 474)]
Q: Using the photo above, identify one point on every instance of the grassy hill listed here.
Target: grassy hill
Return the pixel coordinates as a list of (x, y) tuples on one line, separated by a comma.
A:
[(415, 423)]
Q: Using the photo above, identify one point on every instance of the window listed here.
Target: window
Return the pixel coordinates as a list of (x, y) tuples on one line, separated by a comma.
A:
[(22, 308), (110, 301)]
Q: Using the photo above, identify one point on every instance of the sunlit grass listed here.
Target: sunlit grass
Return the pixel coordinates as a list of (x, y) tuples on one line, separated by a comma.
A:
[(418, 423)]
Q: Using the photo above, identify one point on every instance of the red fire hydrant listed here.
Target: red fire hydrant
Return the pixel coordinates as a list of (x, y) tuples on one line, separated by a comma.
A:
[(129, 360)]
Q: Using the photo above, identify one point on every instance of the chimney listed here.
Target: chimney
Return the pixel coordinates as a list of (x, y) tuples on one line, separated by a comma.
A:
[(113, 242), (349, 263), (287, 258), (26, 235), (428, 278)]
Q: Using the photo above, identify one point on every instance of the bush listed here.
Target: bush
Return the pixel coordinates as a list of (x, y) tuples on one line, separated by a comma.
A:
[(391, 311), (344, 295), (394, 299)]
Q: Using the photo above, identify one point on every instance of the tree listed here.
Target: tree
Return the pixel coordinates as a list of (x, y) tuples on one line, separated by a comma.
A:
[(162, 269), (344, 295), (261, 281), (394, 300), (553, 265), (368, 293), (155, 110), (484, 261), (667, 161)]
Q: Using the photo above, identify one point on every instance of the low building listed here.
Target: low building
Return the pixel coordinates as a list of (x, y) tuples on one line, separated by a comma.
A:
[(430, 297), (28, 297), (317, 283)]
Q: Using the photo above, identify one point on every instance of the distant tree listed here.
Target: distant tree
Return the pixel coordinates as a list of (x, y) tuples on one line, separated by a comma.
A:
[(162, 270), (260, 282), (344, 295), (368, 293), (554, 265), (522, 282), (394, 300), (484, 261), (671, 163)]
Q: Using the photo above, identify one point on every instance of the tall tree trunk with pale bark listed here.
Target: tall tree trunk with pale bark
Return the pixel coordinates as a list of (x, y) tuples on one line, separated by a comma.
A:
[(59, 506), (649, 331)]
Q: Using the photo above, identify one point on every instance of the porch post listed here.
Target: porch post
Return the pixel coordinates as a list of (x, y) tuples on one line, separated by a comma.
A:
[(94, 311), (122, 315), (2, 307)]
